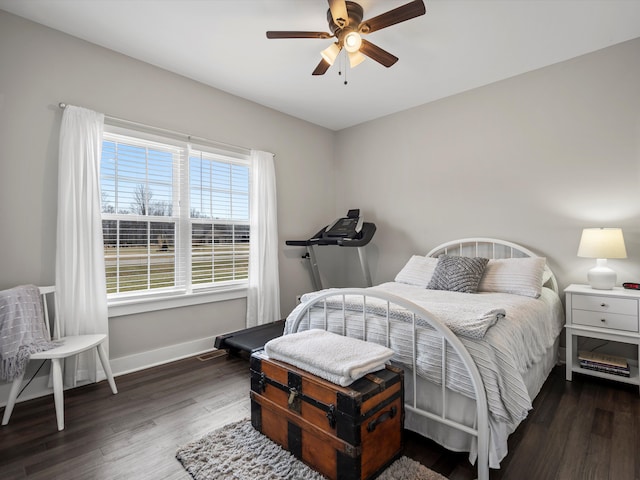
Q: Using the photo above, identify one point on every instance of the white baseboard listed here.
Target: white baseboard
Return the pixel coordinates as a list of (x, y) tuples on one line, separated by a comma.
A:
[(160, 356), (39, 387)]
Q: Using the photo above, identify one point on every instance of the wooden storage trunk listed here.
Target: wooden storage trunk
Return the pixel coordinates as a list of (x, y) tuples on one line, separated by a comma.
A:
[(344, 433)]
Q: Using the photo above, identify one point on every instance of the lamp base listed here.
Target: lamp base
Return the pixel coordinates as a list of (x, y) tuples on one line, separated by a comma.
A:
[(601, 277)]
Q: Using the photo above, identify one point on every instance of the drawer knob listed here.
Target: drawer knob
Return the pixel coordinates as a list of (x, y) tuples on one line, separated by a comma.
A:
[(603, 320), (603, 304)]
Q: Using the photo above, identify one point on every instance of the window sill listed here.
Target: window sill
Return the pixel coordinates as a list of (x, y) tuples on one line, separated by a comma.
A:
[(118, 308)]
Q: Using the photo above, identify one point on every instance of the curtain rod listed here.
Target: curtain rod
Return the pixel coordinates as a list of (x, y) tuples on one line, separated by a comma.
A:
[(214, 143)]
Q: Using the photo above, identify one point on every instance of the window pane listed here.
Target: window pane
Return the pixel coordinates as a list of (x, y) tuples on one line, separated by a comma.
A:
[(139, 255), (220, 252), (137, 179), (218, 190)]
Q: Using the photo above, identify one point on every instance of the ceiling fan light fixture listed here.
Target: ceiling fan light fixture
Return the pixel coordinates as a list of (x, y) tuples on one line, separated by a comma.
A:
[(355, 58), (330, 53), (352, 42), (346, 25)]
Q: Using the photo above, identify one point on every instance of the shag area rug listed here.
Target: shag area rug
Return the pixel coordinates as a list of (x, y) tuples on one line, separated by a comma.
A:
[(239, 452)]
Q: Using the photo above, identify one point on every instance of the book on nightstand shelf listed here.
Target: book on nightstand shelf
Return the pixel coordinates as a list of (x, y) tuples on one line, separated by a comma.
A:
[(604, 363)]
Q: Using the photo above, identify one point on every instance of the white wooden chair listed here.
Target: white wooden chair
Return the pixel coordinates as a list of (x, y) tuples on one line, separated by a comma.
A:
[(71, 345)]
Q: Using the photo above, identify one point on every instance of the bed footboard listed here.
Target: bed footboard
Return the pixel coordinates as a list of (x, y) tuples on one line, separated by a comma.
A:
[(385, 305)]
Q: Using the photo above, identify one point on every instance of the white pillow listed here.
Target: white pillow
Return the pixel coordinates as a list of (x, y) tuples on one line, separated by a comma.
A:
[(418, 271), (520, 276)]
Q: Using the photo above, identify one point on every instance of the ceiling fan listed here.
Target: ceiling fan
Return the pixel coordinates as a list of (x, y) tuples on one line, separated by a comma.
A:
[(346, 25)]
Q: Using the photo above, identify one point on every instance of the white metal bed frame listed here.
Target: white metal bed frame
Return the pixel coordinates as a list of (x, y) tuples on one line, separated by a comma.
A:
[(485, 247)]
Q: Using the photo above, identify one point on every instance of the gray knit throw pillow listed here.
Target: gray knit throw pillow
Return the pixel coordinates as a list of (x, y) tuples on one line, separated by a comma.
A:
[(458, 274)]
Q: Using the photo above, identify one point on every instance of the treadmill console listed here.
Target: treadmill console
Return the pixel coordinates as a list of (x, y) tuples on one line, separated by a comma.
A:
[(349, 231), (348, 227)]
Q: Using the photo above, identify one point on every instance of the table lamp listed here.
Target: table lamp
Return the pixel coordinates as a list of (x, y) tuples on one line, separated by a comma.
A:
[(602, 243)]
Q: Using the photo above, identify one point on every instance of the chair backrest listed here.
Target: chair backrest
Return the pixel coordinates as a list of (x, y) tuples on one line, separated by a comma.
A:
[(50, 292)]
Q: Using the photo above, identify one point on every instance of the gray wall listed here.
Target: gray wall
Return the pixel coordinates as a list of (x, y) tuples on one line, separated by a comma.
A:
[(532, 159), (40, 67)]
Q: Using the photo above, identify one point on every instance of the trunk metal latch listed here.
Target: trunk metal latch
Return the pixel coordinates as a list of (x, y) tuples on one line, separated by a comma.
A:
[(293, 393)]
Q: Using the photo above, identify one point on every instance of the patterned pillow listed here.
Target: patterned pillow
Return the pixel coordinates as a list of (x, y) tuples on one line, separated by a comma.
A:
[(458, 274), (418, 271), (520, 276)]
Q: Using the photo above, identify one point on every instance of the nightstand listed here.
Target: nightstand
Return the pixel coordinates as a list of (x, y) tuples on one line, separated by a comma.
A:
[(611, 315)]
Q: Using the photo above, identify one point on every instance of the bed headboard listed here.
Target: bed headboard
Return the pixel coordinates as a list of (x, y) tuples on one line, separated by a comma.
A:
[(491, 248)]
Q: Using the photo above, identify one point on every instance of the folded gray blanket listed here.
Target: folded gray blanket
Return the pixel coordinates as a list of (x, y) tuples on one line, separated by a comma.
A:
[(22, 329)]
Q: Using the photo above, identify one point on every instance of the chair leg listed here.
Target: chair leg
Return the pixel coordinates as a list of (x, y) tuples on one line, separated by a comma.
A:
[(11, 401), (107, 368), (58, 393)]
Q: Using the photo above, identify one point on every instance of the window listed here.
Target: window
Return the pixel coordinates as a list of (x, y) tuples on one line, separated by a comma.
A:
[(175, 217)]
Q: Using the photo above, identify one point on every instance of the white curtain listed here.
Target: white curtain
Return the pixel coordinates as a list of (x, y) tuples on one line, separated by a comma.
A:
[(263, 296), (80, 274)]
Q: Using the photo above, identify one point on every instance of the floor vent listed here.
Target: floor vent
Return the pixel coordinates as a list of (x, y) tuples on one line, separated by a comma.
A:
[(211, 355)]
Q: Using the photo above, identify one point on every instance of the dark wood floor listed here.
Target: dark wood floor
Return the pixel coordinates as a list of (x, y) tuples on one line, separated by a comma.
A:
[(585, 429)]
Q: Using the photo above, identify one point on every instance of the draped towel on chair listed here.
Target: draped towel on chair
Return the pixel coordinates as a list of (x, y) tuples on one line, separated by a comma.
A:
[(80, 271), (263, 295)]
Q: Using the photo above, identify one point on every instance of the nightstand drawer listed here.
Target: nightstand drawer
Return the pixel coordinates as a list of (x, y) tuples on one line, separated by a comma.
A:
[(605, 320), (596, 303)]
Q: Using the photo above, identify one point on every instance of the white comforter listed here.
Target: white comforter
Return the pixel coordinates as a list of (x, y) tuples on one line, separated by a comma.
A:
[(510, 345)]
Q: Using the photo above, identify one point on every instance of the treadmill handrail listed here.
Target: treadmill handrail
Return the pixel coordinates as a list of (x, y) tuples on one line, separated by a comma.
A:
[(305, 243)]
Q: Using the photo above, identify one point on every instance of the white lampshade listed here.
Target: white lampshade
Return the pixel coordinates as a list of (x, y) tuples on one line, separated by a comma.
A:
[(356, 58), (602, 243), (330, 53)]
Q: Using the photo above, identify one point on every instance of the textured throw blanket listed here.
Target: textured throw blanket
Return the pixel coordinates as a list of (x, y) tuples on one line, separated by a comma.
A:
[(465, 315), (22, 329), (336, 358)]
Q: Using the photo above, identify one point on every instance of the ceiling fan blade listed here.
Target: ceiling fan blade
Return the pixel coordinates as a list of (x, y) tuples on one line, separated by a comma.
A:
[(397, 15), (378, 54), (322, 67), (339, 12), (293, 34)]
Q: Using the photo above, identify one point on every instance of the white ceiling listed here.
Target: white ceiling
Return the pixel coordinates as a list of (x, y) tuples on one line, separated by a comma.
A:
[(458, 45)]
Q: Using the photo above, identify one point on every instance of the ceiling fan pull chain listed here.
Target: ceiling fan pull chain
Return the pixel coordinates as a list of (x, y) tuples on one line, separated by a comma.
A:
[(345, 73)]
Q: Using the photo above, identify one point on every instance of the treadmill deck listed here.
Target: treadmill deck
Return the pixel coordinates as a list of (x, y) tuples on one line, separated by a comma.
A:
[(250, 339)]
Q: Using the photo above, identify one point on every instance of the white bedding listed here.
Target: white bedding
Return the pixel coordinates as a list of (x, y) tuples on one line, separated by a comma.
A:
[(471, 317), (462, 409), (510, 346)]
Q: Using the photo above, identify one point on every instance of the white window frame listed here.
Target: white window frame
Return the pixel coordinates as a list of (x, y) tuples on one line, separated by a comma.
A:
[(185, 294)]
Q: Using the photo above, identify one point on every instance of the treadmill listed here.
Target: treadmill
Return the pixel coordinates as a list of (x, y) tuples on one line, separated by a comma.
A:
[(250, 339), (349, 231)]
